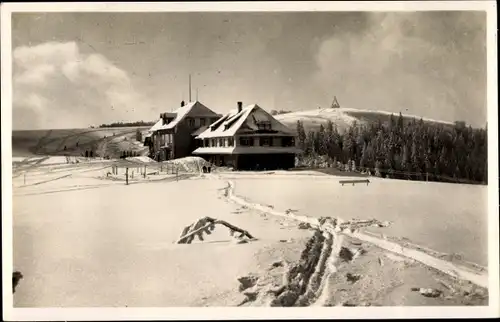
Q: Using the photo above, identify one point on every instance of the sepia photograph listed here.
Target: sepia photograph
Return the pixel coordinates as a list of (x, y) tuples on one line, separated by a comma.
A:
[(339, 157)]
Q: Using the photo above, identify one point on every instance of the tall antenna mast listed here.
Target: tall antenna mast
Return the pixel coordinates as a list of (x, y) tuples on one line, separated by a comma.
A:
[(189, 87), (196, 93)]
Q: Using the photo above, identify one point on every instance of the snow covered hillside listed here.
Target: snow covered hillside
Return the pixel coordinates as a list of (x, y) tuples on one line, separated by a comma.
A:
[(342, 118)]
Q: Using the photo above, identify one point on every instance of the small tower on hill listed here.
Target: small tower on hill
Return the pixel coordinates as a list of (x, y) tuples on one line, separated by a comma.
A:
[(335, 103)]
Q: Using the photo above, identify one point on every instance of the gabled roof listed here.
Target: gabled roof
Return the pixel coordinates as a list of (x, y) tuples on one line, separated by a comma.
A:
[(199, 131), (193, 108), (233, 121)]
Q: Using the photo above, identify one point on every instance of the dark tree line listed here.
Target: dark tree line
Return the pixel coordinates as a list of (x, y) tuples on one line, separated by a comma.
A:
[(399, 149), (127, 124)]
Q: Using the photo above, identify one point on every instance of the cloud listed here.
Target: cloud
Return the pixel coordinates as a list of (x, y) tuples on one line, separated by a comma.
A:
[(429, 64), (57, 86)]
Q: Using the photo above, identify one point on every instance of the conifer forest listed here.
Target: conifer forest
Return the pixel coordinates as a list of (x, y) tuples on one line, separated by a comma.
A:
[(402, 149)]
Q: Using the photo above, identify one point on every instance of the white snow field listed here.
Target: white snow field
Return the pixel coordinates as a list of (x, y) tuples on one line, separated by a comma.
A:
[(106, 244), (448, 218), (84, 239)]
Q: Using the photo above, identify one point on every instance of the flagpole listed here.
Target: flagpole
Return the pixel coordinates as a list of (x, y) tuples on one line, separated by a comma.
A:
[(189, 87)]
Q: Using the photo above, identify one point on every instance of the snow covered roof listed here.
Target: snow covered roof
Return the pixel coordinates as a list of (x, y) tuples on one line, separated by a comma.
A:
[(191, 108), (246, 150), (233, 121), (157, 126)]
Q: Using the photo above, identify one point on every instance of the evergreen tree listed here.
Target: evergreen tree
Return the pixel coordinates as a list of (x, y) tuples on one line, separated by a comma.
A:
[(322, 141), (400, 122), (405, 161), (310, 143), (301, 135), (392, 122)]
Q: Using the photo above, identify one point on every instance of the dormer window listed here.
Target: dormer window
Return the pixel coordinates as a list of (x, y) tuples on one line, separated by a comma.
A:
[(264, 125), (191, 123)]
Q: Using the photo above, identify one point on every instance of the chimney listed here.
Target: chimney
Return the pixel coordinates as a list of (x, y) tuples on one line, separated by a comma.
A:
[(240, 106), (183, 103)]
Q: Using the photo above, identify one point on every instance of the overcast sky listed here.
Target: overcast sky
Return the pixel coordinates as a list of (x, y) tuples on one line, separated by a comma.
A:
[(77, 69)]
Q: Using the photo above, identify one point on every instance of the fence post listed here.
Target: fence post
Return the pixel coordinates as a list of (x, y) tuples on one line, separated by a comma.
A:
[(126, 175), (145, 171)]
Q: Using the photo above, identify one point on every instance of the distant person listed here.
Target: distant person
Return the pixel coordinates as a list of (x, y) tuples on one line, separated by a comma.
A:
[(16, 277), (91, 154), (64, 148), (76, 144), (86, 153)]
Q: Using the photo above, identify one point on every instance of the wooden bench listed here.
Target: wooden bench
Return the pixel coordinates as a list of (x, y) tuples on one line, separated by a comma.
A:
[(342, 182)]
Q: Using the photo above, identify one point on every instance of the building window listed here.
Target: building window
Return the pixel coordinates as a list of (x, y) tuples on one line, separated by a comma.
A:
[(288, 141), (265, 141), (202, 122), (231, 141), (213, 143), (191, 123), (221, 142), (246, 141)]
